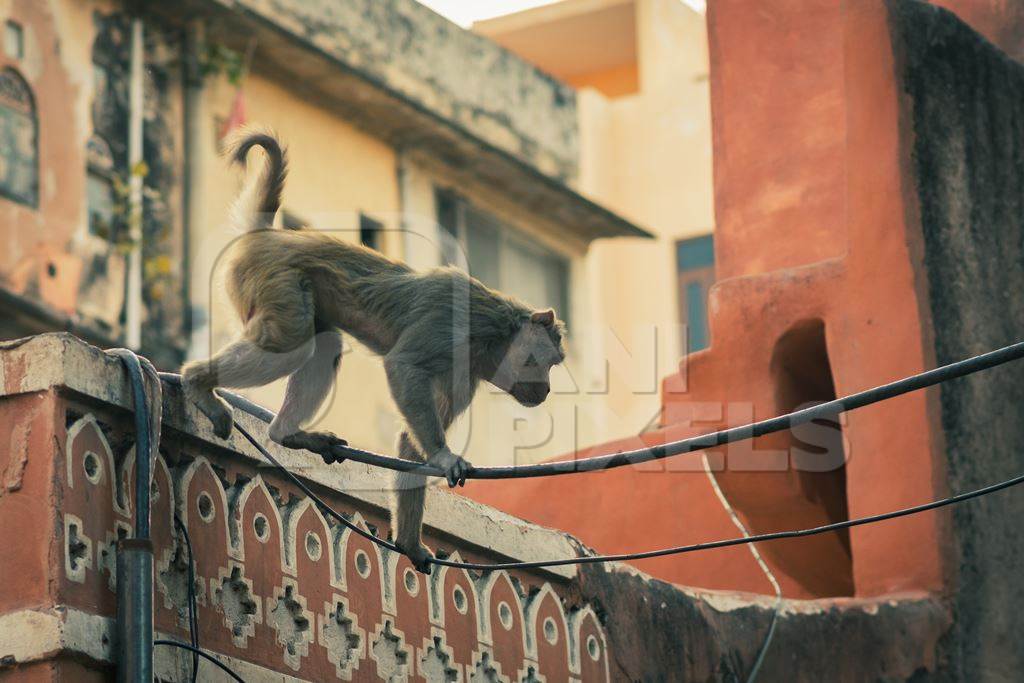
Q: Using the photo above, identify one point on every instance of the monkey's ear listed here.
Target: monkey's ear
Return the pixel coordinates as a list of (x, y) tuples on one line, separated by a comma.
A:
[(545, 318)]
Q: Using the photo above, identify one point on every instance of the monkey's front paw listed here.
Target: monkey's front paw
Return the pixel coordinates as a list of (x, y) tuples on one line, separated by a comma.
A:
[(457, 471), (220, 414), (323, 443), (420, 558)]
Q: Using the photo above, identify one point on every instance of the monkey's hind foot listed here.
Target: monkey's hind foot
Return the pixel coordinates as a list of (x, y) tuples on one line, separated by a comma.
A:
[(215, 408), (420, 557), (321, 443)]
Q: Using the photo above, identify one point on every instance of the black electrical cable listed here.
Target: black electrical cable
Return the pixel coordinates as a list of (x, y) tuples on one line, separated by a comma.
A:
[(312, 496), (677, 550), (193, 620), (147, 428), (202, 653), (827, 410)]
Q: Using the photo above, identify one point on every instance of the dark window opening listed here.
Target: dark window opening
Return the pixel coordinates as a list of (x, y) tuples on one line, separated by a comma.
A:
[(695, 262), (370, 231), (802, 376), (448, 218), (500, 256), (19, 132), (289, 221), (14, 40)]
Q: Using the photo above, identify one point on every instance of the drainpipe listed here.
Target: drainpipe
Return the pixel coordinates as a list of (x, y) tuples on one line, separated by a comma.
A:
[(135, 555), (193, 185), (133, 297)]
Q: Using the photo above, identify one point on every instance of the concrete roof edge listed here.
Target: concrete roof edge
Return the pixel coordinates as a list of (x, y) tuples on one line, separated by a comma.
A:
[(600, 221)]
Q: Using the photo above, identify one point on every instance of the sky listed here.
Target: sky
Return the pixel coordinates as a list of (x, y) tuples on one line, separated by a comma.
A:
[(465, 12)]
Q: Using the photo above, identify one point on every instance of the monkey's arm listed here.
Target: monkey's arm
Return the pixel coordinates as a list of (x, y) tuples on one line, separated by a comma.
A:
[(412, 388)]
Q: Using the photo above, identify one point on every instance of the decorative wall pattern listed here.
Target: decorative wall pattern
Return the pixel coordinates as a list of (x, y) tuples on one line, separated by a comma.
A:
[(279, 585)]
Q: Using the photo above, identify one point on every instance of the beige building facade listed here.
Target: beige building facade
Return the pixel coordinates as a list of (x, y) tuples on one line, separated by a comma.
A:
[(640, 68), (434, 144)]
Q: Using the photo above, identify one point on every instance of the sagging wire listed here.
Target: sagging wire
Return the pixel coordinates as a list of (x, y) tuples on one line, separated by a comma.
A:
[(922, 380), (200, 653), (763, 650), (828, 410), (193, 619), (596, 559), (822, 411)]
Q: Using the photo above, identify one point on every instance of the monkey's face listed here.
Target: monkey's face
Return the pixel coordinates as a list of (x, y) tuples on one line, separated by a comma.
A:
[(524, 369)]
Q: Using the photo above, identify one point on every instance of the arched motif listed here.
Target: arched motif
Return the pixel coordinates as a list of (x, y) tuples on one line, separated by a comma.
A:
[(588, 648), (503, 627), (547, 634), (19, 140), (456, 612)]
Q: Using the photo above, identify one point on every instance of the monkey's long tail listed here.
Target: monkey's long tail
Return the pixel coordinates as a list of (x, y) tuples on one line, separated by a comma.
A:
[(257, 204)]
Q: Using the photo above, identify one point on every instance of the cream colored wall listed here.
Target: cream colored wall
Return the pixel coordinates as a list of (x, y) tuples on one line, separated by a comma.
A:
[(648, 156), (645, 152)]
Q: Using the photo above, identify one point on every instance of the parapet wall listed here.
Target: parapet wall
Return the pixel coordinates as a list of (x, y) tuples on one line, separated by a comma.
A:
[(279, 587), (284, 594), (450, 73)]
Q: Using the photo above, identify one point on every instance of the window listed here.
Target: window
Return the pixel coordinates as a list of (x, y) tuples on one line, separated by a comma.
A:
[(99, 189), (502, 257), (695, 260), (370, 232), (14, 40), (290, 221), (19, 167)]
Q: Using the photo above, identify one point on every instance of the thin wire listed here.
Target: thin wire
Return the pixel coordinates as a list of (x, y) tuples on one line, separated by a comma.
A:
[(759, 660), (202, 653), (679, 550), (315, 498), (193, 620), (827, 410), (676, 550)]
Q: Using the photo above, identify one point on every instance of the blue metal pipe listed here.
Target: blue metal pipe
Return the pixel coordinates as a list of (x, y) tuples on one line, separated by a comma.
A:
[(135, 555)]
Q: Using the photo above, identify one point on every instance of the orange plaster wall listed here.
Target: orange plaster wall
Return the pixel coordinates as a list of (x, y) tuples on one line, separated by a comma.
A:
[(777, 119), (649, 506), (27, 428), (36, 238), (616, 81), (813, 223)]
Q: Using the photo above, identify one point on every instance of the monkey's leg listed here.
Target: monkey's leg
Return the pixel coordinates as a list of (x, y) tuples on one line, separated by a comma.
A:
[(412, 387), (277, 341), (410, 496), (307, 388), (240, 364)]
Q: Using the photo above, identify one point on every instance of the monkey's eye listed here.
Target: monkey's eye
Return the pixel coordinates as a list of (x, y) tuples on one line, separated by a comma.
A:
[(531, 362)]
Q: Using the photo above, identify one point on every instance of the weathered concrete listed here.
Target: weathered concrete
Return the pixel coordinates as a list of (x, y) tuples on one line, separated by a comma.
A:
[(457, 74), (716, 636), (964, 104), (278, 585)]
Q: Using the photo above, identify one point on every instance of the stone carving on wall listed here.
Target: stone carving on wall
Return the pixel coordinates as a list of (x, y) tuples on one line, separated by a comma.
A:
[(280, 586)]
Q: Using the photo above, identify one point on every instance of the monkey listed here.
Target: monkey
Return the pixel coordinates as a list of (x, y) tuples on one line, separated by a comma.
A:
[(439, 334)]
